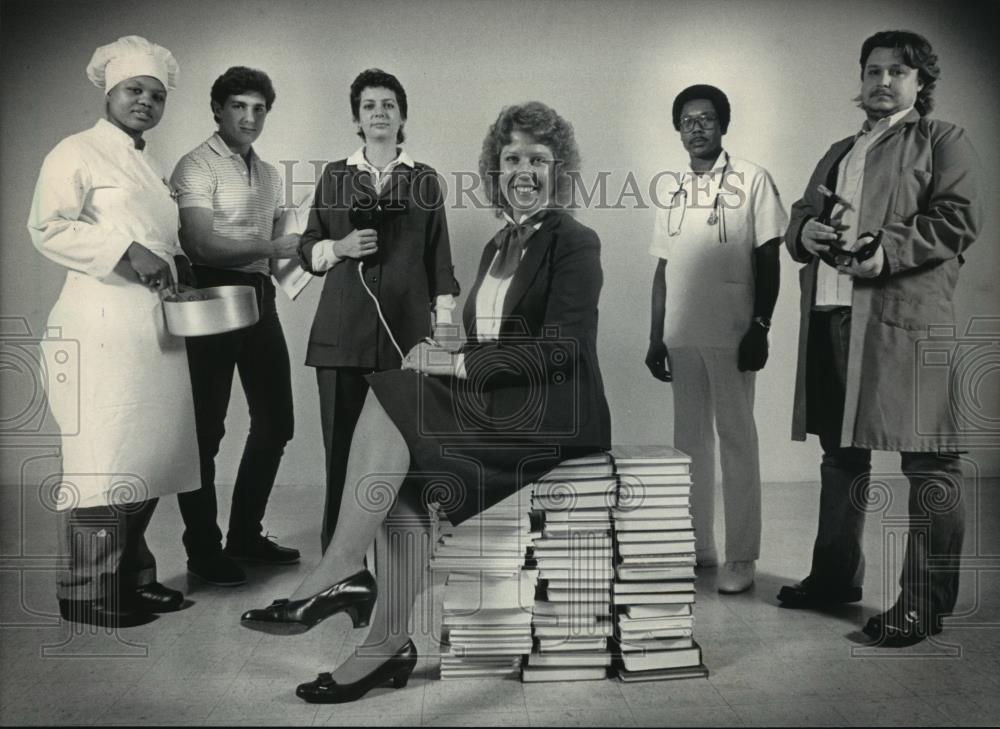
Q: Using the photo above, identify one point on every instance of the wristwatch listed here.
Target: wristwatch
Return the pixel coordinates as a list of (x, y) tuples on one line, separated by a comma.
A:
[(763, 321)]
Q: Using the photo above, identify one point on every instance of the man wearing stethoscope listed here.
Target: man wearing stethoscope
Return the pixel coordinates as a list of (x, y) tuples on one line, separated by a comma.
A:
[(719, 225)]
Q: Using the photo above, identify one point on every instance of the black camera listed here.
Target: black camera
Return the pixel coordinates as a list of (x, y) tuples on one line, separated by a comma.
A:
[(372, 212), (838, 255)]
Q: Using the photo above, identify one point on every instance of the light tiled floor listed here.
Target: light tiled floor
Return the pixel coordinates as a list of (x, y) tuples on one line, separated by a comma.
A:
[(769, 666)]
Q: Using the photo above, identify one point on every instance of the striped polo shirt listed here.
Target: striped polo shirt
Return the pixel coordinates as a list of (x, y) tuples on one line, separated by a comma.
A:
[(244, 200)]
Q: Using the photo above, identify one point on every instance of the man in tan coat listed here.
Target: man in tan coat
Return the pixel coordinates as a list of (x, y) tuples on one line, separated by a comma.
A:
[(882, 226)]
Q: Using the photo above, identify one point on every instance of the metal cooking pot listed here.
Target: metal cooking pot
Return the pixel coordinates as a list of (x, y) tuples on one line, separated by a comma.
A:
[(197, 312)]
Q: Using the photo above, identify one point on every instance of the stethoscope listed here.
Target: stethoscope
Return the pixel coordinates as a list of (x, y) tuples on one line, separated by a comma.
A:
[(716, 217)]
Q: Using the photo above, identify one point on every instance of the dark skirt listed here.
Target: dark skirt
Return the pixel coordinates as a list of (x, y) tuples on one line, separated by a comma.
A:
[(460, 457)]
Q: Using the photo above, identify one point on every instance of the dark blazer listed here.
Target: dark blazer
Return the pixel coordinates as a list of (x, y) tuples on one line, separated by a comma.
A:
[(542, 374), (412, 267)]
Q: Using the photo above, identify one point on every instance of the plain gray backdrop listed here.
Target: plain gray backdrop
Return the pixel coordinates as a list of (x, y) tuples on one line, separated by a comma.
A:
[(612, 68)]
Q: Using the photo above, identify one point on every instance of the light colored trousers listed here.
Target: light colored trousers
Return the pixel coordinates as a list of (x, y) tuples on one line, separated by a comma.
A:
[(711, 394)]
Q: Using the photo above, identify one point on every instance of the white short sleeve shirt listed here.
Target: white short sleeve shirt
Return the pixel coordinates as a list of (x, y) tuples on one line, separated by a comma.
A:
[(706, 229)]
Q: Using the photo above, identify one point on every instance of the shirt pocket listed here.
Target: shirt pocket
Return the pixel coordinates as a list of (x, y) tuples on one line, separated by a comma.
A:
[(735, 218)]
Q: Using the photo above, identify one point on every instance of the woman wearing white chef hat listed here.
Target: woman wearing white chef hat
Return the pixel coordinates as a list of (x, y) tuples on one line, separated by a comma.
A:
[(103, 210)]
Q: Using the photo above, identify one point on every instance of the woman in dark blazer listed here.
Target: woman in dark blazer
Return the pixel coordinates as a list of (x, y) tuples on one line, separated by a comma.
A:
[(465, 430), (377, 232)]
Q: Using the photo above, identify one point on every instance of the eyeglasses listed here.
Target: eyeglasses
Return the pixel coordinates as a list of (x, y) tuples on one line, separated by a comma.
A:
[(705, 121)]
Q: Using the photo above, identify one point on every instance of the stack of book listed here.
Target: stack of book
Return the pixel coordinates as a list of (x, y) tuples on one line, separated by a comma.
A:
[(654, 573), (574, 555), (486, 625), (488, 596)]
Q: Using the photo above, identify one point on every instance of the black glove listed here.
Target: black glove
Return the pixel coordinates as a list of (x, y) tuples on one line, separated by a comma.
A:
[(753, 349), (658, 361)]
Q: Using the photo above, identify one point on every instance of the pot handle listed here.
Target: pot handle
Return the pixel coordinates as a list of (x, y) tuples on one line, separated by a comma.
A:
[(167, 294)]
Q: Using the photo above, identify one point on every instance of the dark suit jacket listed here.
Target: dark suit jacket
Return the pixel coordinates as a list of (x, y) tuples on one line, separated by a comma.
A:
[(542, 374), (412, 267)]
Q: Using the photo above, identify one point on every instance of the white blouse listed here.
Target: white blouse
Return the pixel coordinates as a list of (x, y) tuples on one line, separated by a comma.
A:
[(491, 296), (97, 193), (489, 305)]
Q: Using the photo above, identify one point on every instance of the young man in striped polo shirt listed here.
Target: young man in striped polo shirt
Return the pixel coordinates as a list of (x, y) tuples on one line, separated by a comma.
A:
[(229, 199)]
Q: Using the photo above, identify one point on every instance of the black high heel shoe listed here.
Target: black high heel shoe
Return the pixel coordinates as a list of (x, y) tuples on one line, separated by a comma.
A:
[(354, 596), (324, 690)]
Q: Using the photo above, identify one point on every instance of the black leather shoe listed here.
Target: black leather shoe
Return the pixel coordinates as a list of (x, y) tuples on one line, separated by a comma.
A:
[(217, 569), (901, 626), (355, 596), (156, 598), (103, 614), (261, 549), (805, 595), (324, 690)]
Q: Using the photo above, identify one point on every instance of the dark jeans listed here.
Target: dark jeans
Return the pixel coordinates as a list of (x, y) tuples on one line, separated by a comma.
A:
[(260, 355), (342, 392), (107, 550), (929, 576)]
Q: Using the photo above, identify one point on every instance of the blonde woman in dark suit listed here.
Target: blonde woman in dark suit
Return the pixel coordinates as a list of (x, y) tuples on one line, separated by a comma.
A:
[(467, 429)]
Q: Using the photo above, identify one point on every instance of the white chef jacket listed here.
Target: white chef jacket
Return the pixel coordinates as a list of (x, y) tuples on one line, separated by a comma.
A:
[(125, 407), (710, 285)]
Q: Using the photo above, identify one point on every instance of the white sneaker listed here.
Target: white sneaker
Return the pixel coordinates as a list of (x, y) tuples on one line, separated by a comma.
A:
[(707, 557), (736, 576)]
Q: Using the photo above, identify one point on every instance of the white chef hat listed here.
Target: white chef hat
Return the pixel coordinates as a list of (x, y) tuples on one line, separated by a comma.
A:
[(132, 56)]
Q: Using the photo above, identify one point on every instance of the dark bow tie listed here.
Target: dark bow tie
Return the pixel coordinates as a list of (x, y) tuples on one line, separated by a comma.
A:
[(510, 241)]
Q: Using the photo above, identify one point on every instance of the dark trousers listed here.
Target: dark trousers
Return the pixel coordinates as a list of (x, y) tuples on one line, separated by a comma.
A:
[(929, 576), (260, 355), (342, 392), (107, 550)]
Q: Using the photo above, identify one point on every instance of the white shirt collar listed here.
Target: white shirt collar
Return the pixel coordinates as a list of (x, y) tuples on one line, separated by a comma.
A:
[(116, 135), (720, 164), (536, 225), (885, 123), (358, 160), (218, 145)]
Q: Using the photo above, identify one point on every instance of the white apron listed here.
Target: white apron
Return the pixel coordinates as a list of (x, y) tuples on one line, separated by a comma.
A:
[(128, 421)]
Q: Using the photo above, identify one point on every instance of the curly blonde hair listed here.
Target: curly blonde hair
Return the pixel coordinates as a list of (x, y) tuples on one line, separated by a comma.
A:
[(545, 126)]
